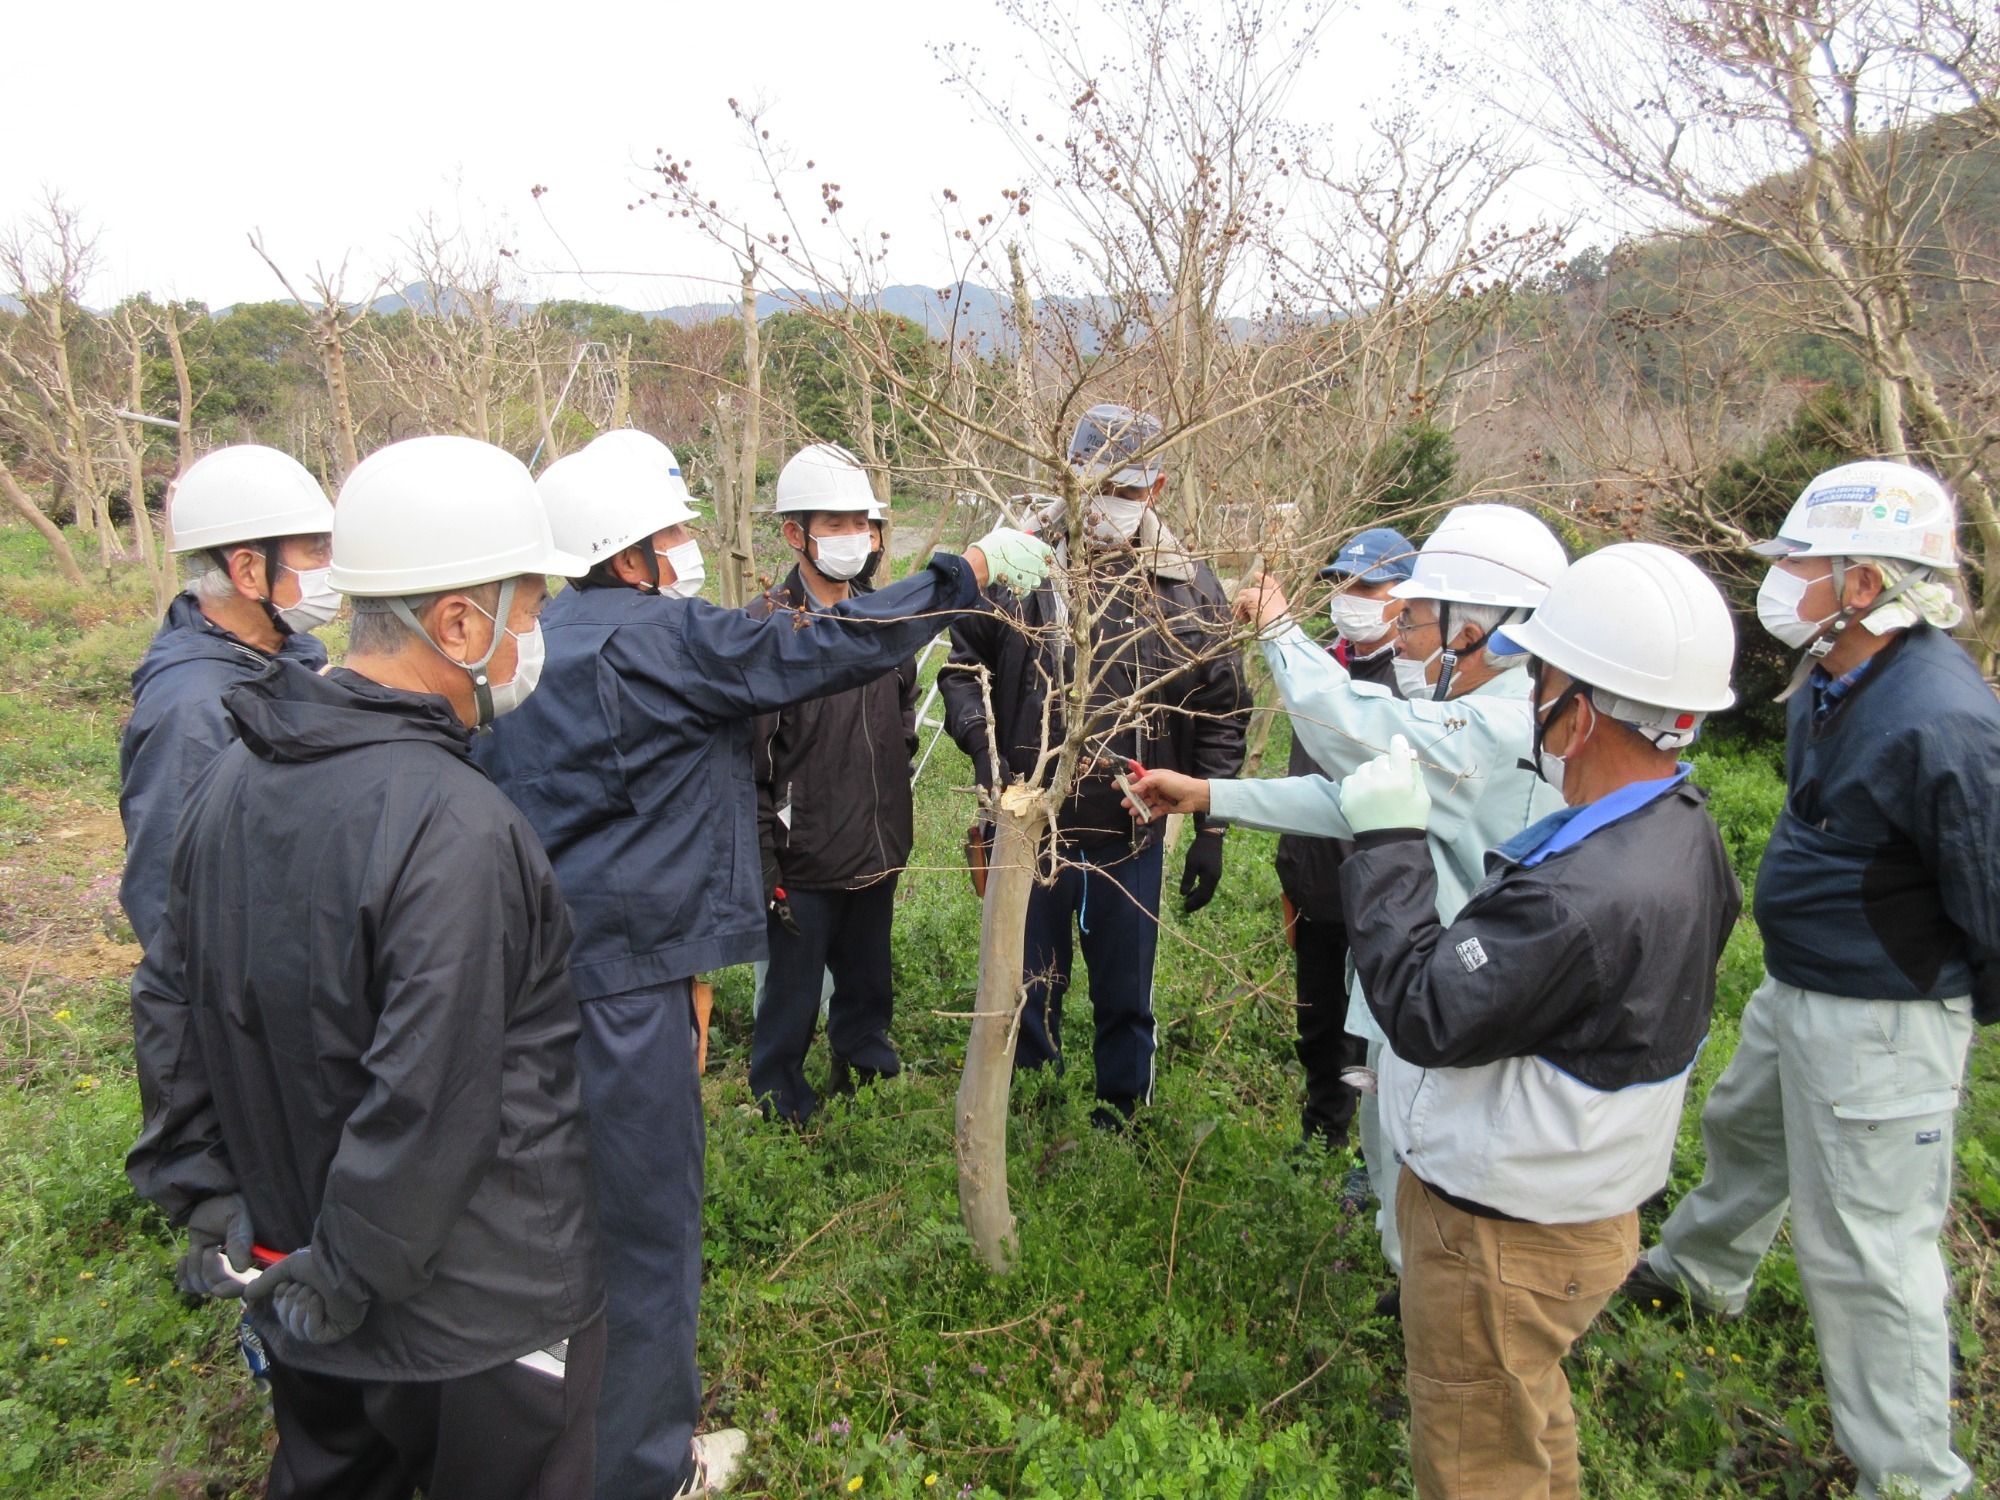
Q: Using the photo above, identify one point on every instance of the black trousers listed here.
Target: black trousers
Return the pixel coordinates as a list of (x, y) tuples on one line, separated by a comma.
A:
[(509, 1433), (848, 933), (1325, 1045)]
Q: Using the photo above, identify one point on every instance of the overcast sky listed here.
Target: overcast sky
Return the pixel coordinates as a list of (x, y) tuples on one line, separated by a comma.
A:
[(177, 130)]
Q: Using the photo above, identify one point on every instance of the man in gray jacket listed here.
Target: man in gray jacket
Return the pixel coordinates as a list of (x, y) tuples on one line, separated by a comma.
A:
[(1540, 1043)]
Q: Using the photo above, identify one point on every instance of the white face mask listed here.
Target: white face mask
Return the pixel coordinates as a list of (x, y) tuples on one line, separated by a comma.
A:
[(1553, 766), (1359, 620), (689, 574), (318, 600), (507, 696), (1114, 519), (530, 653), (1410, 679), (1778, 599), (843, 557)]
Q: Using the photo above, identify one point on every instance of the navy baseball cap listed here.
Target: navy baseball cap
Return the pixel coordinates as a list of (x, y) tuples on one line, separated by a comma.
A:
[(1379, 555), (1106, 440)]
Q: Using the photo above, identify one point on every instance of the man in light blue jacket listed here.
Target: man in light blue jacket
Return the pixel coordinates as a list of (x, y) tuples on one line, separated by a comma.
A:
[(1466, 710)]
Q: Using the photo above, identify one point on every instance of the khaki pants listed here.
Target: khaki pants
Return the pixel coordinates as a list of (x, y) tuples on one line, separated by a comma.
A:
[(1490, 1308)]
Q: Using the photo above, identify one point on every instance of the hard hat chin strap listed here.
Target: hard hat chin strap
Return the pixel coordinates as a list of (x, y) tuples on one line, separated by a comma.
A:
[(482, 690), (1448, 655), (1823, 644), (271, 549)]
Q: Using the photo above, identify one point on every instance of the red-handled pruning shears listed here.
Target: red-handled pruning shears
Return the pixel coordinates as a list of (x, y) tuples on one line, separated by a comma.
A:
[(1125, 784)]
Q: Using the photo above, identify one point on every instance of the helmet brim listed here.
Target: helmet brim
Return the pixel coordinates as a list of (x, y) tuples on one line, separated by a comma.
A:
[(1780, 546)]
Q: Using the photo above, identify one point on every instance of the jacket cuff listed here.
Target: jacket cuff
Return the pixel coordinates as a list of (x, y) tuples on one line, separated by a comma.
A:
[(958, 587), (1375, 838)]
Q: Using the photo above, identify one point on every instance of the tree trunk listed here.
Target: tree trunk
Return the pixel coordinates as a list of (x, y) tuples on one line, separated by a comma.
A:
[(550, 452), (51, 533), (184, 390), (621, 400), (333, 360), (132, 446), (996, 1025), (743, 562)]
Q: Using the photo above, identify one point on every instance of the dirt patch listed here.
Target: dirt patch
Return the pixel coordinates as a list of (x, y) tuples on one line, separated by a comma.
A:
[(59, 909)]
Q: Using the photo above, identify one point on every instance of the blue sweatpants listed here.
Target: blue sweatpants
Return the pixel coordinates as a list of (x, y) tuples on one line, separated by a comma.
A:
[(636, 1056), (1112, 894)]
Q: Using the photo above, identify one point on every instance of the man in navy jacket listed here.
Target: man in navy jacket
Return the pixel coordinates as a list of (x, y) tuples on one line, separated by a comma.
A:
[(633, 763), (259, 521), (1879, 904)]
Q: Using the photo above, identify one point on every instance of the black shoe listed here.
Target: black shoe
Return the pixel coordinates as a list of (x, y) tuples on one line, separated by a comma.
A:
[(1647, 1288), (1390, 1304), (1357, 1192)]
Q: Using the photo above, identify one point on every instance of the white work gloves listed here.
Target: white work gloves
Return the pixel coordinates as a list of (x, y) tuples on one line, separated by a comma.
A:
[(1015, 559), (1388, 792)]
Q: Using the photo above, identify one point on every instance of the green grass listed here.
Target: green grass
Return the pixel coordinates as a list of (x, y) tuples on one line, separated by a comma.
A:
[(847, 1324)]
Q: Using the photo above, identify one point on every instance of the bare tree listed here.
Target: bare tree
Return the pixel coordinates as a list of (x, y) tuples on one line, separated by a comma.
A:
[(332, 321), (1822, 144), (50, 398)]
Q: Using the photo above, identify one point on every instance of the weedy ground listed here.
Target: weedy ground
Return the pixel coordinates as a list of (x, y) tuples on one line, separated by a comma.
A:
[(1192, 1314)]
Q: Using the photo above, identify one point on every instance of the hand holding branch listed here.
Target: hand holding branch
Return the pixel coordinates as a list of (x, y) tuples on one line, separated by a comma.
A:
[(1261, 602)]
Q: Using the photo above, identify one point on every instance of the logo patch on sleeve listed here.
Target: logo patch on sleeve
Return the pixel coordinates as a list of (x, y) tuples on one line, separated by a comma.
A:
[(1929, 1137), (1471, 954)]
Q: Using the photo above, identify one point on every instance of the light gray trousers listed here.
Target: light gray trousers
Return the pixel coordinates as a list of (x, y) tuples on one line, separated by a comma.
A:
[(1840, 1112), (1383, 1168)]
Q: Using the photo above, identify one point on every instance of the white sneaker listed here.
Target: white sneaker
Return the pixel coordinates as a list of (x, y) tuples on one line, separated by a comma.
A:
[(717, 1457)]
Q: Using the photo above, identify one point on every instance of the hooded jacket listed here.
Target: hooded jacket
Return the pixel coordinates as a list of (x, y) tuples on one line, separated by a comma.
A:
[(1164, 634), (1882, 877), (176, 730), (358, 1015), (1309, 868), (632, 757), (833, 774), (1540, 1041)]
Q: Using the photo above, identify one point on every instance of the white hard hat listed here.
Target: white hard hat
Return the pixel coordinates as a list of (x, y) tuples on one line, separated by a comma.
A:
[(1486, 554), (1646, 630), (1871, 509), (625, 486), (247, 493), (824, 477), (434, 513)]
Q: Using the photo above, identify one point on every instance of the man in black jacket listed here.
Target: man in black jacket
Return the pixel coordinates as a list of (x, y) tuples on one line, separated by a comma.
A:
[(1160, 635), (1364, 618), (1540, 1044), (834, 813), (356, 1031), (258, 523)]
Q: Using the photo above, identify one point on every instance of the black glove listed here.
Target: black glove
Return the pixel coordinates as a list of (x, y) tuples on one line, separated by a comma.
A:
[(305, 1301), (774, 894), (1203, 870), (216, 1226)]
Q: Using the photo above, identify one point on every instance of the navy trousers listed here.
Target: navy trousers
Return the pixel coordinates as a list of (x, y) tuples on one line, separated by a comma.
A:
[(636, 1057), (848, 933), (1112, 893)]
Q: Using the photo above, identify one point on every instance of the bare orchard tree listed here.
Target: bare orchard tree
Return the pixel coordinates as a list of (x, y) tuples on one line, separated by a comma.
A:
[(1826, 145), (464, 354), (333, 322), (1142, 301), (53, 369)]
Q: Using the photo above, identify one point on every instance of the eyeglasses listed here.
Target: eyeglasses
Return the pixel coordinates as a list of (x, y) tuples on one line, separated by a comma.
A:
[(1406, 626)]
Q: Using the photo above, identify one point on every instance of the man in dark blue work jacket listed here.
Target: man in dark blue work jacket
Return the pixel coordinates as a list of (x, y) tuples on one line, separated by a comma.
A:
[(633, 763), (260, 522)]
